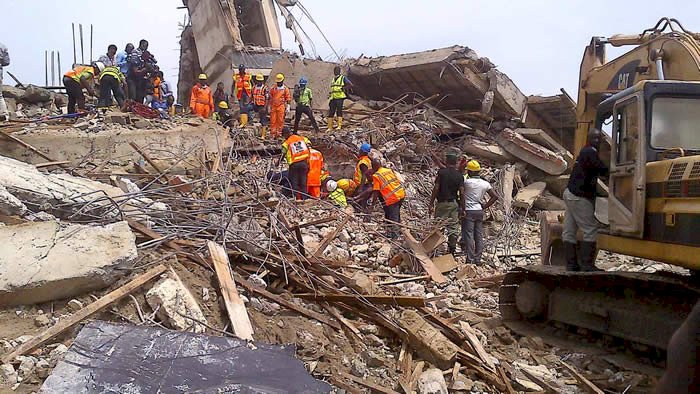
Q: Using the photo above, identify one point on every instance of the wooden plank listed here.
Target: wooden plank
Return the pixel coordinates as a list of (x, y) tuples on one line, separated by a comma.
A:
[(51, 163), (478, 348), (445, 263), (84, 313), (587, 384), (404, 280), (334, 312), (548, 388), (286, 303), (423, 258), (366, 383), (238, 315), (360, 299), (317, 221), (413, 382), (330, 237), (506, 381), (26, 145), (433, 240), (149, 160), (448, 117)]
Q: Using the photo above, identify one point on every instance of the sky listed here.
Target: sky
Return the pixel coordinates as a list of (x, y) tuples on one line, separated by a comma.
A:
[(538, 43)]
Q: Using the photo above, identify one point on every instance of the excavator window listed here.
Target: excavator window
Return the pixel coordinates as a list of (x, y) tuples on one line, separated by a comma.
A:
[(627, 121), (675, 123)]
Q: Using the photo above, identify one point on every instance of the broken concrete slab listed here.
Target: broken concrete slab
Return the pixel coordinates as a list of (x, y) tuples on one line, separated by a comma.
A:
[(34, 94), (549, 202), (173, 361), (532, 153), (507, 187), (483, 150), (432, 381), (44, 261), (176, 305), (9, 204), (430, 343), (554, 114), (557, 184), (526, 196), (12, 92), (458, 73), (541, 137)]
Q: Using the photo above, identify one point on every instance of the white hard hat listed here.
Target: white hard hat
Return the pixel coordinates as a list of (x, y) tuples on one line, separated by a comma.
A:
[(100, 66), (331, 185)]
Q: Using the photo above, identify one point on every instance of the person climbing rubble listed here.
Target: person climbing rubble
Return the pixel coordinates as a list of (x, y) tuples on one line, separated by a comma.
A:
[(449, 193), (475, 189), (243, 90), (201, 99), (280, 97), (4, 62), (77, 79), (295, 150), (338, 94), (112, 83), (223, 114), (303, 96), (387, 187), (261, 100), (313, 182)]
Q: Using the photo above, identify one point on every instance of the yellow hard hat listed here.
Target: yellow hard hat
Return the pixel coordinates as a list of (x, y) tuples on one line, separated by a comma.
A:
[(202, 76), (279, 77), (223, 105), (259, 77), (473, 165)]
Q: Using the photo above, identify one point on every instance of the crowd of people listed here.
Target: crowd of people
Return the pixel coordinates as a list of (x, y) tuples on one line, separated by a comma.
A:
[(131, 74)]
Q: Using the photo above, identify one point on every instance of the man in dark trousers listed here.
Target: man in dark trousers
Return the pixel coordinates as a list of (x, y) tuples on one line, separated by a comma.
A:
[(449, 193), (296, 151), (303, 100), (579, 197)]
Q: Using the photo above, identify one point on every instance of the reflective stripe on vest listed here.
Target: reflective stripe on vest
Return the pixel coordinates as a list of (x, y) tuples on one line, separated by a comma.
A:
[(359, 177), (296, 148), (391, 189), (337, 91), (79, 72), (243, 84), (260, 95), (114, 72)]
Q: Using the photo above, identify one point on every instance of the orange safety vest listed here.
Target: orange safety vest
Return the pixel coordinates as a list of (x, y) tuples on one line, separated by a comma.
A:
[(296, 149), (156, 87), (359, 177), (279, 96), (315, 168), (243, 84), (386, 181), (79, 72), (260, 94)]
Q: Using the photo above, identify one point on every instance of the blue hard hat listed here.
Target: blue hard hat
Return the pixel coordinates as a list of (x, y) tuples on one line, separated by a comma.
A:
[(365, 147), (303, 81)]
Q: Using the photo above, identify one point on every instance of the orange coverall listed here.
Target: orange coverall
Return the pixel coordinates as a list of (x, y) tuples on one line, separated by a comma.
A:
[(313, 179), (201, 101), (279, 98)]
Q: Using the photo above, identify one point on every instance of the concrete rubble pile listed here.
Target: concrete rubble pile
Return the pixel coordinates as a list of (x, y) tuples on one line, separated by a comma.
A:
[(30, 102), (180, 230)]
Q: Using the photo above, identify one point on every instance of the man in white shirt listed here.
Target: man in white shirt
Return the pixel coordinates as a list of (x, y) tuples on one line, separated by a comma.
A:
[(475, 189)]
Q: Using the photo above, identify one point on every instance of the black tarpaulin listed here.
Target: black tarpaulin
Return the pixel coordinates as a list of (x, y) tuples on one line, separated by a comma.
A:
[(116, 358)]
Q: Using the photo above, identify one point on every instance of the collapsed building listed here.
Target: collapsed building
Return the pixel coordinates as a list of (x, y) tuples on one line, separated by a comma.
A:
[(168, 236)]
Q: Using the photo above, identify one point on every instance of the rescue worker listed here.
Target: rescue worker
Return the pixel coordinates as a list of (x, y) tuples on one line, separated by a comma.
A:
[(75, 80), (295, 150), (112, 82), (387, 187), (223, 115), (348, 185), (339, 84), (449, 193), (475, 189), (243, 88), (201, 100), (219, 94), (336, 194), (362, 176), (313, 182), (579, 197), (4, 62), (280, 97), (261, 97), (304, 105)]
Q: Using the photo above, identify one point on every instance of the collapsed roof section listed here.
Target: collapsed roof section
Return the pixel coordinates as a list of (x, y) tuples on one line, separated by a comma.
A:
[(457, 73)]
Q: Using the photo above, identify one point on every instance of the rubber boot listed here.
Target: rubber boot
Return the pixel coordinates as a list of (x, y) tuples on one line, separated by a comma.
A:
[(263, 132), (340, 123), (588, 252), (244, 120), (571, 257), (330, 124)]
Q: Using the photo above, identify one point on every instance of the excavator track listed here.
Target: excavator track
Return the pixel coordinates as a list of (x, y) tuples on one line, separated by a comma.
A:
[(640, 310)]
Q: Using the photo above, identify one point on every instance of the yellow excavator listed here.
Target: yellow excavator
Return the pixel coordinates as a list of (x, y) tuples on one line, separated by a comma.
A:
[(648, 102)]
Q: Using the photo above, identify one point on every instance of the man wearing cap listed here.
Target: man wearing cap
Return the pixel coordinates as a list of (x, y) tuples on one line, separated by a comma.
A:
[(304, 105), (201, 100), (261, 98), (280, 97), (475, 189), (448, 191)]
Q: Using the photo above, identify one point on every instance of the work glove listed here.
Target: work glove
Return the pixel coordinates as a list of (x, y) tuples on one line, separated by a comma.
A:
[(289, 108)]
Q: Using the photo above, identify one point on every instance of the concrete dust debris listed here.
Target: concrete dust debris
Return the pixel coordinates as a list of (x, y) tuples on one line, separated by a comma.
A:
[(526, 197), (176, 306)]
